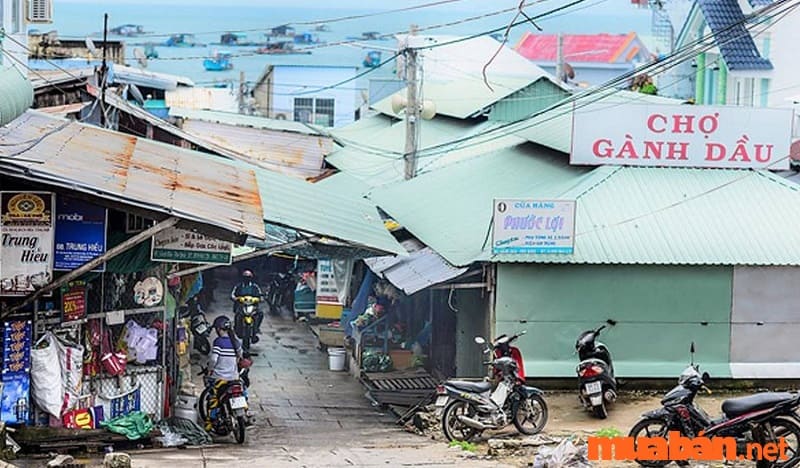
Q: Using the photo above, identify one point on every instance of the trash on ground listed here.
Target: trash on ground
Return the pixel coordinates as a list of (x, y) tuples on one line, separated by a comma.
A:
[(564, 455)]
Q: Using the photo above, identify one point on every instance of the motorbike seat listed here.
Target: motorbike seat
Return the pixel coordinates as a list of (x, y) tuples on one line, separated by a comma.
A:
[(739, 406), (476, 387)]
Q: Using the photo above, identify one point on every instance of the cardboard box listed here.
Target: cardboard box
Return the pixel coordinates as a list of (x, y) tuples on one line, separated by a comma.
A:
[(401, 358), (331, 336)]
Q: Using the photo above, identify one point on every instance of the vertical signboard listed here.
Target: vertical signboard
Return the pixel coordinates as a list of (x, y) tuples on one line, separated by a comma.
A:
[(26, 229), (80, 233), (73, 301), (327, 289), (524, 226), (15, 404)]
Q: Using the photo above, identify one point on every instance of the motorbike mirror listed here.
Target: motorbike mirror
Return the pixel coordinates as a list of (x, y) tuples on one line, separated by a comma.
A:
[(611, 322), (480, 340)]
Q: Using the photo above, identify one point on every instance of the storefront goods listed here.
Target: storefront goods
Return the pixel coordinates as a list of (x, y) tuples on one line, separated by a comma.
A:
[(48, 387), (375, 361), (70, 359), (135, 425)]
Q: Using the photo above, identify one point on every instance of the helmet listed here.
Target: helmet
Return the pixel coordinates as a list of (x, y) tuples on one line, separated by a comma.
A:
[(222, 322), (247, 274)]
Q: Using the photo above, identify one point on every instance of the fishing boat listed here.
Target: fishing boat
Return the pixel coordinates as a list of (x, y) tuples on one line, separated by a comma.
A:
[(306, 38), (369, 36), (322, 28), (373, 59), (150, 51), (282, 30), (129, 30), (280, 47), (219, 61), (183, 40)]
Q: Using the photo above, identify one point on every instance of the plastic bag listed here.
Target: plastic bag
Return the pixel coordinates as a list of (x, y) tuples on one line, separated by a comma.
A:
[(564, 455), (71, 362), (47, 385)]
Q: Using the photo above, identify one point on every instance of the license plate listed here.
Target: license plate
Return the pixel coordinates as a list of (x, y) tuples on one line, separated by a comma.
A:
[(594, 387), (201, 329), (441, 400), (238, 402)]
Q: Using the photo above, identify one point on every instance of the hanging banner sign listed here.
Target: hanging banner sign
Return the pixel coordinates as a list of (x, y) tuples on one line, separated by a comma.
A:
[(681, 136), (73, 301), (80, 233), (26, 229), (182, 246), (327, 288), (524, 226), (17, 337)]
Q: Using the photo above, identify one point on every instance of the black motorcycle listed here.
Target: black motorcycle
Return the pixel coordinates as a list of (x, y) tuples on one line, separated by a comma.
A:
[(762, 418), (474, 407), (201, 330), (231, 416), (280, 292), (597, 385)]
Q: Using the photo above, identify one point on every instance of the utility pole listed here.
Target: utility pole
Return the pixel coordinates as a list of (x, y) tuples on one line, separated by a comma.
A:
[(104, 74), (241, 93), (560, 57), (412, 107)]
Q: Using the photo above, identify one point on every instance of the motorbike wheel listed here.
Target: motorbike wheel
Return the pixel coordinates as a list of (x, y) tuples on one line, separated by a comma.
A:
[(599, 411), (650, 427), (202, 404), (246, 338), (453, 428), (531, 415), (788, 430), (202, 345), (238, 423)]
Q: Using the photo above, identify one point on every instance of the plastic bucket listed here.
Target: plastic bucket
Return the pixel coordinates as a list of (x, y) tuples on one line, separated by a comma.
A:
[(336, 358), (186, 407)]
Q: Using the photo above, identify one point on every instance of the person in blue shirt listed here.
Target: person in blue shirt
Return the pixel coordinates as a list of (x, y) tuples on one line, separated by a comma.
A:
[(223, 364)]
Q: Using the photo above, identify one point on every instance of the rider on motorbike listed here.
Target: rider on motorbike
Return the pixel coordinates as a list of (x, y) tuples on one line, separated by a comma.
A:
[(223, 364), (248, 287)]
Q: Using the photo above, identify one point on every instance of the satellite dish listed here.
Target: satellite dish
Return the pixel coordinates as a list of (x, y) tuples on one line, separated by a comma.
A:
[(140, 57), (90, 45), (137, 95)]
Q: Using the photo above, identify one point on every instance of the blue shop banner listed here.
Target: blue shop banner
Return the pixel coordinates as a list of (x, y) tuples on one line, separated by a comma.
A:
[(15, 400), (80, 233), (17, 336)]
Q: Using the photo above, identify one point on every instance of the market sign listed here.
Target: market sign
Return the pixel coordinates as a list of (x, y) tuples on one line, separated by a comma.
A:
[(183, 246), (26, 230), (80, 233), (73, 301), (523, 226), (681, 136), (327, 288)]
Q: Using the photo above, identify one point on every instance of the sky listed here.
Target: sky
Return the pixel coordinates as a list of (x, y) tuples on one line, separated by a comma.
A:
[(466, 5)]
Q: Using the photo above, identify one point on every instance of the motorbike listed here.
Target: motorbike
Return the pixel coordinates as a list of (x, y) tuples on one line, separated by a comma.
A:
[(280, 291), (596, 383), (231, 415), (473, 407), (201, 330), (762, 418), (244, 378), (245, 320)]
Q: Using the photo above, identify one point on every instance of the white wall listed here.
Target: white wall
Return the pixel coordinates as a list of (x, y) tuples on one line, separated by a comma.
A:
[(291, 80), (18, 32), (783, 39)]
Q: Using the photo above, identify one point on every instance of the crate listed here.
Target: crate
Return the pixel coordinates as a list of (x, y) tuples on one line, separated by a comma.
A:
[(401, 358), (331, 336)]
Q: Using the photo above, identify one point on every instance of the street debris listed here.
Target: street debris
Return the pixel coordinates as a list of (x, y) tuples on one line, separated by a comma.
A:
[(537, 440), (61, 460), (565, 455), (117, 460)]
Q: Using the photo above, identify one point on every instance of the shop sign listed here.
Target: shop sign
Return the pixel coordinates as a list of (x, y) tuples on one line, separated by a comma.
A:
[(16, 378), (681, 136), (17, 346), (73, 301), (182, 246), (327, 288), (26, 229), (80, 233), (523, 226)]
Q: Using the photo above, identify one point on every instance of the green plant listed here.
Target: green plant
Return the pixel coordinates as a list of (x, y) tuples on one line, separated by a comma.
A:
[(609, 432), (468, 446)]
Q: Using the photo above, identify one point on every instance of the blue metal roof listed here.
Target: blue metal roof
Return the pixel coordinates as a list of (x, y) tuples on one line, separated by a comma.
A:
[(759, 3), (726, 20)]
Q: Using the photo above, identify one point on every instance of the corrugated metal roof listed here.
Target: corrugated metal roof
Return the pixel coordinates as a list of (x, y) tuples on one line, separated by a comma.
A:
[(134, 171), (217, 99), (45, 78), (422, 268), (63, 110), (626, 215), (316, 209), (554, 127), (122, 74), (242, 120), (593, 48), (295, 154), (450, 209), (16, 94)]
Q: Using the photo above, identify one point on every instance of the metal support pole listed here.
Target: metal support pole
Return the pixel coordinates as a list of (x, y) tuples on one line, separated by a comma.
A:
[(412, 108), (104, 74)]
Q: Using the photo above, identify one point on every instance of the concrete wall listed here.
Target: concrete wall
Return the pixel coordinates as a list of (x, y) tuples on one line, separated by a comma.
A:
[(660, 310), (288, 81)]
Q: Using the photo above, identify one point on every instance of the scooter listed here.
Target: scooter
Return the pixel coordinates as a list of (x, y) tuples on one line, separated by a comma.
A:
[(473, 407), (245, 320), (201, 330), (230, 416), (596, 382)]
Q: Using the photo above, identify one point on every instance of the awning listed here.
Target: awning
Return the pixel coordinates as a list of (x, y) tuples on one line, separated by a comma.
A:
[(422, 268), (16, 94)]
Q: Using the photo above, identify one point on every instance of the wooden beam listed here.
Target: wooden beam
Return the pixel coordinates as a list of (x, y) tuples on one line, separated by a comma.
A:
[(94, 263), (247, 256), (461, 286)]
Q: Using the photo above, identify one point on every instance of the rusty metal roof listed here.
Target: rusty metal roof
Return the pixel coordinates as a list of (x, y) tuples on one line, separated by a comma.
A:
[(133, 171)]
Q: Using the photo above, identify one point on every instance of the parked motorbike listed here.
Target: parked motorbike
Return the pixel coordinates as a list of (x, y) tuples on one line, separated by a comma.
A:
[(762, 418), (201, 330), (231, 414), (596, 383), (245, 320), (280, 291), (473, 407)]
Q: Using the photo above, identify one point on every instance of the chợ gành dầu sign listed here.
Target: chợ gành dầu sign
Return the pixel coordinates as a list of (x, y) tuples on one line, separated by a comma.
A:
[(681, 136)]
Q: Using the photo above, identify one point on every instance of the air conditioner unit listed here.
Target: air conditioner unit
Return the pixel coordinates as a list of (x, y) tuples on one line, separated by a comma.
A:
[(40, 11), (280, 116)]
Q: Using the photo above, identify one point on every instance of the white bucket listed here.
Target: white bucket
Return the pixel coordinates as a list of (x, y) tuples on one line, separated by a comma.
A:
[(336, 358), (186, 407)]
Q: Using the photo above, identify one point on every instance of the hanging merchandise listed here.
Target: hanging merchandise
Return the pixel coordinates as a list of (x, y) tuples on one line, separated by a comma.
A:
[(113, 362), (91, 355), (70, 357), (142, 343), (48, 386), (148, 292)]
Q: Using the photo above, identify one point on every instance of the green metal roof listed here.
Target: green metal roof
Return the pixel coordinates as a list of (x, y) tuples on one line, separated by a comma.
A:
[(450, 209), (16, 94), (553, 128), (243, 120), (624, 215)]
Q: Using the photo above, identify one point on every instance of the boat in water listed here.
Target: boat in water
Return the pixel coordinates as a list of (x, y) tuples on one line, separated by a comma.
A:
[(373, 59), (306, 38), (128, 30), (369, 36), (183, 40), (219, 61), (280, 47), (322, 28), (150, 51)]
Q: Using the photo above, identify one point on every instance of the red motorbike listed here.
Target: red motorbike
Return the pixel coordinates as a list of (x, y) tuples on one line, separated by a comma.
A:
[(502, 347)]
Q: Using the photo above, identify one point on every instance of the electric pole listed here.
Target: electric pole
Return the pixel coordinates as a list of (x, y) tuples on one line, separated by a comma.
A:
[(412, 107), (104, 74), (560, 57), (241, 93)]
